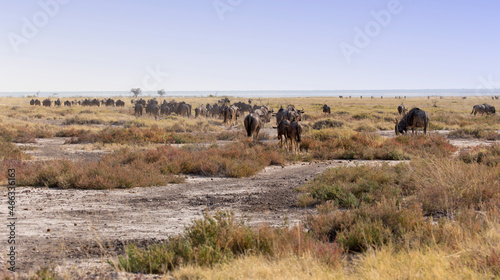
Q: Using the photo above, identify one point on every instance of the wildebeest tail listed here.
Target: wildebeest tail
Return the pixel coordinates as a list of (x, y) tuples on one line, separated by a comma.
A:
[(248, 122)]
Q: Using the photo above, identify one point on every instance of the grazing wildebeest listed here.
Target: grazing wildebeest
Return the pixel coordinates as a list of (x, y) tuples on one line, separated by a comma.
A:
[(138, 109), (47, 102), (294, 134), (38, 103), (57, 103), (478, 109), (253, 124), (283, 132), (326, 109), (489, 109), (67, 103), (402, 109), (414, 119), (32, 102), (120, 103)]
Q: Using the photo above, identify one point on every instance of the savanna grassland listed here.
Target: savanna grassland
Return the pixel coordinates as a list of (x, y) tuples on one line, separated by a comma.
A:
[(194, 199)]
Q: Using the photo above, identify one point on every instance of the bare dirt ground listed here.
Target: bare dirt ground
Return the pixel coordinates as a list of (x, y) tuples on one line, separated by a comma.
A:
[(85, 228)]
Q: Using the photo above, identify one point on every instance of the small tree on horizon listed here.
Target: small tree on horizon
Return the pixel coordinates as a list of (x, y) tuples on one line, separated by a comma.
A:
[(136, 92), (161, 92)]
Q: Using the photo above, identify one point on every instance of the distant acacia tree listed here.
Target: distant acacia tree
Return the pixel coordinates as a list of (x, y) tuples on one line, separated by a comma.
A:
[(136, 92), (161, 92)]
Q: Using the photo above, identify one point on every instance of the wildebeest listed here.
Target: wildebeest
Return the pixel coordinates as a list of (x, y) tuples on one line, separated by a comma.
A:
[(57, 102), (32, 102), (243, 107), (483, 108), (67, 103), (110, 102), (153, 109), (326, 109), (214, 112), (230, 115), (253, 123), (183, 110), (414, 119), (200, 111), (119, 103), (290, 113), (402, 109), (164, 109), (37, 102), (294, 135), (138, 109), (47, 102), (283, 132)]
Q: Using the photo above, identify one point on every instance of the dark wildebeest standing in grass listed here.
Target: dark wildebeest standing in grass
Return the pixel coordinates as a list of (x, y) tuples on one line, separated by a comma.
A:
[(402, 109), (37, 102), (294, 135), (153, 109), (483, 108), (138, 109), (47, 103), (184, 110), (290, 113), (283, 132), (489, 109), (200, 111), (110, 102), (414, 119), (57, 103), (32, 102), (253, 123), (326, 109), (120, 103), (67, 103)]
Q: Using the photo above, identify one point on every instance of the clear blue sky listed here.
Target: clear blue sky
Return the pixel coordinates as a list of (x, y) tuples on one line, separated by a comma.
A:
[(258, 44)]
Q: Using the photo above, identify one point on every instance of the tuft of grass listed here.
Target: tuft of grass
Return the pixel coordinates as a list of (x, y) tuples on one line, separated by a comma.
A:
[(488, 155), (476, 132), (328, 123), (220, 239)]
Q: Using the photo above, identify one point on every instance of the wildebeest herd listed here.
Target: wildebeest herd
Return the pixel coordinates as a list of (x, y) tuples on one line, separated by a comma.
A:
[(289, 129), (86, 102)]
